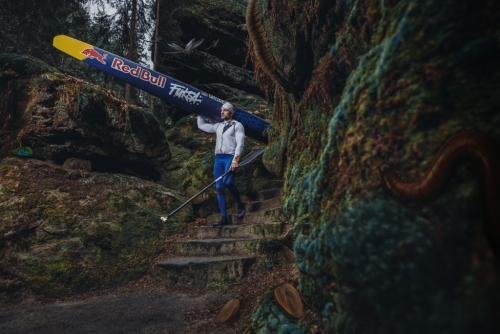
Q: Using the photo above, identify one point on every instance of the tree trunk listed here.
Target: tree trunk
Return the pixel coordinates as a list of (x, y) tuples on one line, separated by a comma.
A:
[(131, 44), (152, 101)]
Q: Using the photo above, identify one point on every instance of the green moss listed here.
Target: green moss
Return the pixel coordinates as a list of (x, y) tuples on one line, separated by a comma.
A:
[(392, 81), (100, 231), (24, 64), (69, 272), (43, 81)]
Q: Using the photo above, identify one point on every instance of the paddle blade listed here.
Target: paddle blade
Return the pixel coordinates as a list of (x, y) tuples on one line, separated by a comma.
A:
[(255, 153), (71, 46)]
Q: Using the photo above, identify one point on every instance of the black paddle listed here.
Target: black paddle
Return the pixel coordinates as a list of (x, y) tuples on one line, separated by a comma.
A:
[(255, 153)]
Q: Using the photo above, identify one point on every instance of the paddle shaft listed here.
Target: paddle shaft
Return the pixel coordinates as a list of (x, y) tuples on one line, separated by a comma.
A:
[(198, 194), (245, 161)]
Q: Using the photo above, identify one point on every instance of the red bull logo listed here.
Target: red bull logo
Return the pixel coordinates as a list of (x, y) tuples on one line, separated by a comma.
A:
[(139, 72), (93, 54)]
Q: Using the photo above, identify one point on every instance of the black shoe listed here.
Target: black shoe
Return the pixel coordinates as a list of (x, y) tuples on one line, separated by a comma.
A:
[(223, 221), (241, 211)]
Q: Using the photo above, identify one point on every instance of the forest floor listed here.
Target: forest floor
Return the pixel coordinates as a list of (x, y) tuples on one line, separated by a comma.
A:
[(146, 305)]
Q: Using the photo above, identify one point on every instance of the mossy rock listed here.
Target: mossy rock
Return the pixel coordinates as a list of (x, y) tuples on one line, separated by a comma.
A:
[(64, 233), (373, 82), (81, 119)]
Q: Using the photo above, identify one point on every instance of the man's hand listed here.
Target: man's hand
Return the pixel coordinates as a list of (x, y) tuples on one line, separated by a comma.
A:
[(234, 163)]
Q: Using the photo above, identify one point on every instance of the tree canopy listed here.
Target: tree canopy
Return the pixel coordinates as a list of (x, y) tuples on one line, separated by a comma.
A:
[(29, 26)]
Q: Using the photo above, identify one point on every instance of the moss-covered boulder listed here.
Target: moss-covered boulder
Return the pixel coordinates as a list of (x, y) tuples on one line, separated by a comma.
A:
[(64, 231), (368, 82), (61, 117)]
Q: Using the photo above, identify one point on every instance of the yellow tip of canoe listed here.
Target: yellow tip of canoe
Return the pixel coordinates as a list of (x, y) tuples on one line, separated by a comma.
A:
[(71, 46)]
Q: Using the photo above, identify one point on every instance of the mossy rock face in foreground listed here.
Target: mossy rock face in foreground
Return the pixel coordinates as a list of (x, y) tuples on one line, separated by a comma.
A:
[(391, 80), (63, 231)]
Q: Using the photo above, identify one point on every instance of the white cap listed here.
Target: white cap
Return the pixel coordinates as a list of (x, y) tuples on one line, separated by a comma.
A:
[(229, 107)]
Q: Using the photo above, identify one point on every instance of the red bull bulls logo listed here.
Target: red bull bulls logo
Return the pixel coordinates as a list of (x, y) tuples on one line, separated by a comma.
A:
[(93, 54), (139, 72)]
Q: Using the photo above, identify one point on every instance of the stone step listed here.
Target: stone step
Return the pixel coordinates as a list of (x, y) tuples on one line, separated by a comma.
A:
[(250, 206), (246, 231), (215, 247), (270, 215), (262, 205), (204, 272), (269, 193)]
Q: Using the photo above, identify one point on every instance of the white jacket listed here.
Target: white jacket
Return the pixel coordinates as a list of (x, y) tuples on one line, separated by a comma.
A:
[(229, 142)]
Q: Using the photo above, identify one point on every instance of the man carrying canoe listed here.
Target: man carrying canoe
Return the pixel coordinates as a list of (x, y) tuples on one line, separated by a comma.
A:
[(228, 149)]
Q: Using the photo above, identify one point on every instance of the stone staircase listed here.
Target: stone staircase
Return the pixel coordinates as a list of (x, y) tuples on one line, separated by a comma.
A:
[(212, 257)]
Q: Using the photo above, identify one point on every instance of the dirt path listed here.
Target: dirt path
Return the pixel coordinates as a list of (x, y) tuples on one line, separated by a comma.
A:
[(150, 310), (146, 305)]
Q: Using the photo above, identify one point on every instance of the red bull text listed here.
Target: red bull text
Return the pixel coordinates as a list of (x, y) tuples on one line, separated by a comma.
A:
[(139, 72)]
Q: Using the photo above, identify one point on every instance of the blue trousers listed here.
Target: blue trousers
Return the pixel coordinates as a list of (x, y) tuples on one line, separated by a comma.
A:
[(222, 165)]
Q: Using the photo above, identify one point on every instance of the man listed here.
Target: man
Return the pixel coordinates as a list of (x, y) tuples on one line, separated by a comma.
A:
[(228, 149)]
